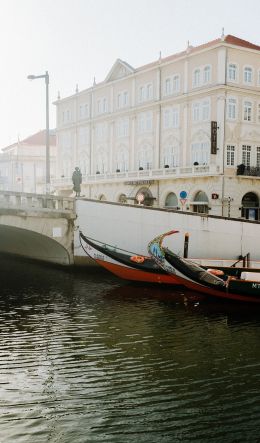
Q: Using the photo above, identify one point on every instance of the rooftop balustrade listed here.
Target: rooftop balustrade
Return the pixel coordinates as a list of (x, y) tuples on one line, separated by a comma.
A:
[(152, 174)]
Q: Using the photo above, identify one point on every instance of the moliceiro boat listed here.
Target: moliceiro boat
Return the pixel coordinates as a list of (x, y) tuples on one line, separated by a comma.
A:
[(125, 264), (243, 286)]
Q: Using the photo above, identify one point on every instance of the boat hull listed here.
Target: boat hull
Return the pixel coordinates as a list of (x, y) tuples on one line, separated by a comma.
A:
[(147, 271), (196, 278)]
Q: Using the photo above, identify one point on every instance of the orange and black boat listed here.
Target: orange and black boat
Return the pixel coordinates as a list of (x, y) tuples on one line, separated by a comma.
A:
[(125, 264)]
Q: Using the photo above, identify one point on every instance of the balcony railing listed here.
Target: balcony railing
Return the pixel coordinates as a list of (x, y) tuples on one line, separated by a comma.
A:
[(146, 174), (248, 170)]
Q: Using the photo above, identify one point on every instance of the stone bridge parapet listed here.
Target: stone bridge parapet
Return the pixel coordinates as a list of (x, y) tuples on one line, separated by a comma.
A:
[(38, 226)]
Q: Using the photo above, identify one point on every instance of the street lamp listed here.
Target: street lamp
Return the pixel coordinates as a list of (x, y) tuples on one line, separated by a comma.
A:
[(46, 77)]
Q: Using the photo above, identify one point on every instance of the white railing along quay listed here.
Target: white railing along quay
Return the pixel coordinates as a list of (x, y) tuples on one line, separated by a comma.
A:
[(11, 199), (146, 174)]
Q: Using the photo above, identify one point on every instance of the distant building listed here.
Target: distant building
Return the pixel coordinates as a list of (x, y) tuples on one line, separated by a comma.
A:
[(180, 132), (23, 164)]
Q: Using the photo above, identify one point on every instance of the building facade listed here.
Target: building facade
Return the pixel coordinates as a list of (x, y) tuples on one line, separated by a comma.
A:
[(23, 164), (182, 132)]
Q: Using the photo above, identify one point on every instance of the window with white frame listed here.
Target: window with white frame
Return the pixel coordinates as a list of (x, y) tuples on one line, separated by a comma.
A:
[(122, 159), (175, 117), (200, 153), (145, 122), (166, 118), (145, 92), (248, 111), (171, 118), (196, 78), (230, 155), (149, 89), (258, 77), (258, 156), (205, 110), (100, 131), (84, 110), (83, 162), (125, 98), (171, 156), (83, 136), (102, 105), (176, 83), (142, 94), (122, 99), (232, 72), (99, 107), (248, 75), (168, 86), (231, 108), (258, 112), (145, 157), (119, 101), (123, 127), (196, 112), (101, 160), (206, 74), (246, 155)]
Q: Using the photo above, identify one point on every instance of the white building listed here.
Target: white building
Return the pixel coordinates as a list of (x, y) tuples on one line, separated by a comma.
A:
[(23, 164), (174, 131)]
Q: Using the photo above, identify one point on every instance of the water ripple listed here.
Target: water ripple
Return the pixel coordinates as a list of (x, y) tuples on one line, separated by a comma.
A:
[(85, 359)]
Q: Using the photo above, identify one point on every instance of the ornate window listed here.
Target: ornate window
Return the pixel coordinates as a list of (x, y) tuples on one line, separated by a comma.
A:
[(122, 159), (200, 153), (145, 157), (171, 156), (101, 161)]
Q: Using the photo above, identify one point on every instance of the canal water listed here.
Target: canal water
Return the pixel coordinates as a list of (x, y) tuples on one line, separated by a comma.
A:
[(85, 357)]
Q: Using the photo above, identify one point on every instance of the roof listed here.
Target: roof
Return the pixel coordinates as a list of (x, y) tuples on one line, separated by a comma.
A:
[(229, 39), (37, 139)]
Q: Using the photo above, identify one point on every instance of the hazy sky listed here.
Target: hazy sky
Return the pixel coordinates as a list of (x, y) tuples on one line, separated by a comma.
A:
[(76, 40)]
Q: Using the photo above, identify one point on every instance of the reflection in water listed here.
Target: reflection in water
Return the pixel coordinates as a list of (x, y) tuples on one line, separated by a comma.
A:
[(87, 358)]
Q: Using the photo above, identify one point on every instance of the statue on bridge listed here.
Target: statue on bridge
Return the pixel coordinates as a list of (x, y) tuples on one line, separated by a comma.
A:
[(77, 180)]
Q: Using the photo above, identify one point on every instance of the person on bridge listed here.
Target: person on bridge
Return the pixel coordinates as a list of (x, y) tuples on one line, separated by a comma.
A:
[(77, 180)]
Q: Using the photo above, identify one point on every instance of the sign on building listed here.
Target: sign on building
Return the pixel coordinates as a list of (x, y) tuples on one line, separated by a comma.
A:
[(214, 129)]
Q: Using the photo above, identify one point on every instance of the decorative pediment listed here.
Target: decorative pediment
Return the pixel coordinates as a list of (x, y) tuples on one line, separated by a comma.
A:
[(171, 140), (200, 135), (120, 69), (252, 135)]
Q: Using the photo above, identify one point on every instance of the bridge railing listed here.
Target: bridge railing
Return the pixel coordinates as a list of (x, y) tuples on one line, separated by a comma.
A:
[(10, 199)]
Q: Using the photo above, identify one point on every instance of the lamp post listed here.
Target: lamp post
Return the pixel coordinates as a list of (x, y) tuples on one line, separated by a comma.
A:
[(46, 77)]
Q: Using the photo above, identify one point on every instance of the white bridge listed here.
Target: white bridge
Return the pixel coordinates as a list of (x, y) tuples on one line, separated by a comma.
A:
[(36, 226)]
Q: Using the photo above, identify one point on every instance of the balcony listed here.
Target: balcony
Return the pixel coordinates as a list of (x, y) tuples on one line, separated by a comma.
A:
[(249, 171), (146, 174)]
